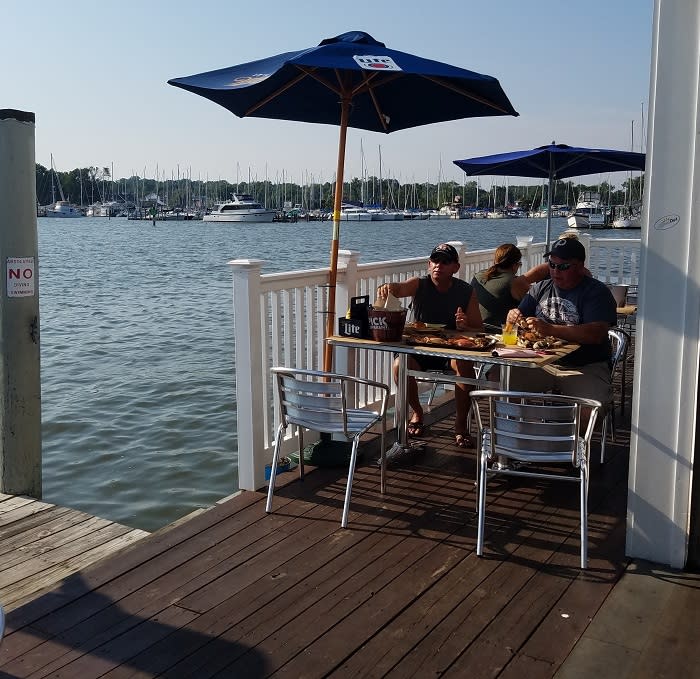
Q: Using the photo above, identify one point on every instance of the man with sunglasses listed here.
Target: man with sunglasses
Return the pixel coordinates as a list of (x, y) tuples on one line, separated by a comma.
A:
[(440, 297), (576, 308)]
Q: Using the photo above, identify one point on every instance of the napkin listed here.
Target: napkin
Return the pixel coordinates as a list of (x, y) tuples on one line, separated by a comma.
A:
[(392, 303), (516, 353)]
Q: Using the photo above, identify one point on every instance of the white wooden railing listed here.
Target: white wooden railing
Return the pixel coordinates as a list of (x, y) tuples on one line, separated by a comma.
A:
[(279, 319)]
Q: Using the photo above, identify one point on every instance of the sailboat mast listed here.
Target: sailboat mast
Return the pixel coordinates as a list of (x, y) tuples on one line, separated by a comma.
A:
[(381, 196), (53, 188)]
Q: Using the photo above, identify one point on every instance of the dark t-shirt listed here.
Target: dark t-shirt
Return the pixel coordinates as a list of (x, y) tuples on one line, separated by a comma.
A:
[(432, 306), (590, 301)]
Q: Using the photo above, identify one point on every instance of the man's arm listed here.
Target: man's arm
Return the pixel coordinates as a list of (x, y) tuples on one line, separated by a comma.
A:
[(406, 288), (586, 333), (473, 314), (519, 286), (537, 273)]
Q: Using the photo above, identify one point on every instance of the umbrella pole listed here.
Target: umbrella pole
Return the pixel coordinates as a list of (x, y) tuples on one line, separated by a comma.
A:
[(337, 202)]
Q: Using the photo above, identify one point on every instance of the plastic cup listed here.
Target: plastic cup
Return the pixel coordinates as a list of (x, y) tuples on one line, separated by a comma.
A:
[(509, 335)]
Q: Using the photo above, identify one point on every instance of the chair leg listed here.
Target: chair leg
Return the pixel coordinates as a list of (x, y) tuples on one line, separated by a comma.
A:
[(273, 468), (603, 437), (623, 381), (431, 396), (382, 459), (300, 437), (482, 506), (584, 517), (348, 490), (613, 432)]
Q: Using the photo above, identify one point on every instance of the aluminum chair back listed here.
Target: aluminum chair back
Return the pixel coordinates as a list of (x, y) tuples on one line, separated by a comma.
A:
[(535, 429), (318, 400), (316, 405), (620, 341), (534, 432)]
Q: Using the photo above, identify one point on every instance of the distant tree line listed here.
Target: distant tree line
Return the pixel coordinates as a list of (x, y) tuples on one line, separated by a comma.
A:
[(84, 186)]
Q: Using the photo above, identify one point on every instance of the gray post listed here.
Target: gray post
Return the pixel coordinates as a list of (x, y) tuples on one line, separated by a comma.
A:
[(20, 393)]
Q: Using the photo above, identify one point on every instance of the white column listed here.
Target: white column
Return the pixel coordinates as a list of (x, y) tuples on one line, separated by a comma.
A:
[(20, 393), (250, 399), (664, 411)]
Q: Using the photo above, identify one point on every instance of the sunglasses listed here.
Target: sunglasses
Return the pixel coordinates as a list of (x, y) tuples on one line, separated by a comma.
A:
[(559, 267), (441, 259)]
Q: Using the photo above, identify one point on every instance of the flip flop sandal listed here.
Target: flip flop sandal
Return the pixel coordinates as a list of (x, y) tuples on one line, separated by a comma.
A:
[(415, 429)]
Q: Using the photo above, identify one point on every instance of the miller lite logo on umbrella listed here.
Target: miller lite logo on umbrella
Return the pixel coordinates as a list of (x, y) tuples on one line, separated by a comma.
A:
[(376, 63)]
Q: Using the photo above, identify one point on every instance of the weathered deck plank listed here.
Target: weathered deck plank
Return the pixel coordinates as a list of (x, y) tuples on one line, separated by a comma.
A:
[(40, 544)]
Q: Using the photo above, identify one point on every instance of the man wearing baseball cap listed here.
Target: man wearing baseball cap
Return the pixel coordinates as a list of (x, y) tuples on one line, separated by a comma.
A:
[(440, 297), (576, 308)]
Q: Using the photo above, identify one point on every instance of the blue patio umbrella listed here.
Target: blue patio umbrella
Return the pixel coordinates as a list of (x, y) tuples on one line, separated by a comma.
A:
[(351, 80), (554, 161)]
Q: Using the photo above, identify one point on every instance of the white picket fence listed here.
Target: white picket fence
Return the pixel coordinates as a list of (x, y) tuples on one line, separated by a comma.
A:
[(279, 320)]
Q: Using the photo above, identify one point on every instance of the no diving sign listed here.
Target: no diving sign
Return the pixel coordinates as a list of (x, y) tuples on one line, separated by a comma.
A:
[(20, 277)]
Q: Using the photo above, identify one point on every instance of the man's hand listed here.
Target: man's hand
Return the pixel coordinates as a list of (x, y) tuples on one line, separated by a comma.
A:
[(460, 319), (384, 290), (538, 326), (514, 316)]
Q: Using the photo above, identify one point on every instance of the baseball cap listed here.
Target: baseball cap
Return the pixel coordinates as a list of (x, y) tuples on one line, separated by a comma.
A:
[(444, 252), (567, 248)]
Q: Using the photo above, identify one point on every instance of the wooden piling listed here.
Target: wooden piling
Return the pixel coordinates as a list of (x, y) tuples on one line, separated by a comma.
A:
[(20, 390)]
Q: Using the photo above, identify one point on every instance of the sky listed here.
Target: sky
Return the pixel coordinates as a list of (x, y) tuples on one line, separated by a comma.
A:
[(95, 75)]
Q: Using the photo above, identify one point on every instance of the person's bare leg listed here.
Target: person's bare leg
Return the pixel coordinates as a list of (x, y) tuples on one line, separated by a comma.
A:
[(414, 403), (462, 402)]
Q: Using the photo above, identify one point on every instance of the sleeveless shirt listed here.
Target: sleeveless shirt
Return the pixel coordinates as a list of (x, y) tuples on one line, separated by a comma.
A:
[(495, 299), (432, 306)]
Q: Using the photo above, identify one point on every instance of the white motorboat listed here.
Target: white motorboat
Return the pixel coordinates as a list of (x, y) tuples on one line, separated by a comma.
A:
[(353, 213), (381, 214), (62, 209), (453, 211), (589, 212), (241, 208)]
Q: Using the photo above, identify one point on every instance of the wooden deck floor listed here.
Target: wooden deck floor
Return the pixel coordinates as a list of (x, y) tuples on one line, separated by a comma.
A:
[(41, 544), (233, 592)]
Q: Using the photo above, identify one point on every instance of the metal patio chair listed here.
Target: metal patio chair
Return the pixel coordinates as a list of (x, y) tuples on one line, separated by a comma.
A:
[(620, 341), (534, 429), (317, 400)]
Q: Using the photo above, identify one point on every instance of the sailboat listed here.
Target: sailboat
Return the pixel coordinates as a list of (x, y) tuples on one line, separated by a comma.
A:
[(61, 209), (630, 216), (380, 212)]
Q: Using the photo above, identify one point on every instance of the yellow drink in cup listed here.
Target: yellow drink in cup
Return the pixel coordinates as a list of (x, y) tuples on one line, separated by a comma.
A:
[(509, 335)]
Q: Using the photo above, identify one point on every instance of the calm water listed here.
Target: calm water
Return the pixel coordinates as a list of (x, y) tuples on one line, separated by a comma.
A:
[(136, 348)]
